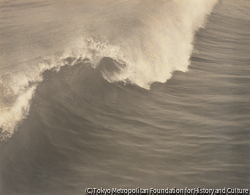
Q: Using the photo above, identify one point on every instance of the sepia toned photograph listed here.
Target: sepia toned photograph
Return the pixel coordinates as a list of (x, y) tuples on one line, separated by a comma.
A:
[(124, 97)]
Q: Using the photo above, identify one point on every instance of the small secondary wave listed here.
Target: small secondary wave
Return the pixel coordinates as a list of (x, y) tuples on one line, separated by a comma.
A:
[(146, 46)]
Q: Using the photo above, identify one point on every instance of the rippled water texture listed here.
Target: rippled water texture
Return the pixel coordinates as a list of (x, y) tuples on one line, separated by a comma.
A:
[(124, 94)]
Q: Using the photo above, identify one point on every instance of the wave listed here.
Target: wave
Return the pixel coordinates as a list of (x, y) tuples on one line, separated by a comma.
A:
[(145, 40)]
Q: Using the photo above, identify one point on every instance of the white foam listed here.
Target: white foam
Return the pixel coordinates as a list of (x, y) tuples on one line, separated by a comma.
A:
[(10, 117), (18, 87), (164, 44)]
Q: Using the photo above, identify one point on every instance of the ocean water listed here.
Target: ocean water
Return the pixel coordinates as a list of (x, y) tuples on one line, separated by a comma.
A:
[(124, 94)]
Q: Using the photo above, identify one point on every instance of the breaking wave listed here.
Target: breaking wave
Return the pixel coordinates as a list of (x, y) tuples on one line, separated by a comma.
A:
[(146, 40)]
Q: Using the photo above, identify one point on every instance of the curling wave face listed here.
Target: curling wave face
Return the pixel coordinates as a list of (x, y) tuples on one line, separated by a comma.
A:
[(146, 40)]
